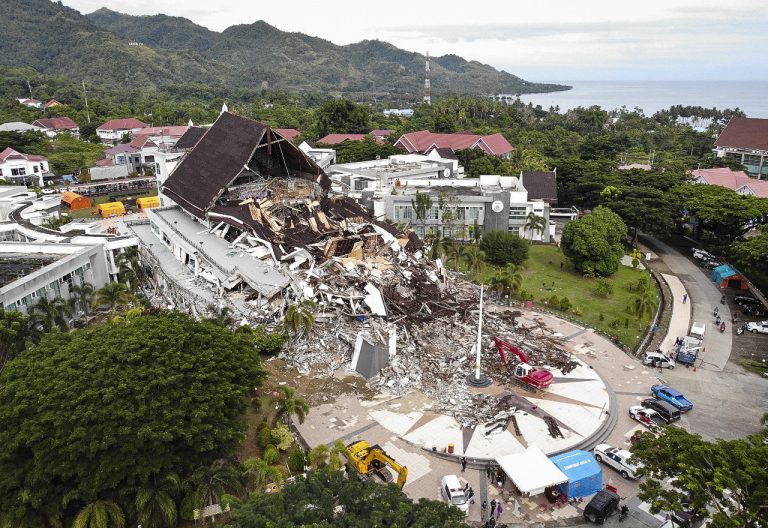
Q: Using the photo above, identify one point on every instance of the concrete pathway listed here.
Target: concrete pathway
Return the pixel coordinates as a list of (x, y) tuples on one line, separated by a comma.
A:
[(704, 295), (680, 321)]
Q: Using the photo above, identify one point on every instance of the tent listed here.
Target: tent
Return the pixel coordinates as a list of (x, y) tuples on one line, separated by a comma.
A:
[(110, 209), (74, 201), (584, 474), (531, 472), (148, 202), (726, 276)]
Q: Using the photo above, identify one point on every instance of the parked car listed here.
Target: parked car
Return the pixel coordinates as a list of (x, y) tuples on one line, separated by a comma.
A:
[(700, 254), (711, 264), (658, 360), (665, 411), (670, 395), (617, 459), (452, 492), (754, 310), (602, 505), (744, 300), (698, 330), (758, 328), (647, 417)]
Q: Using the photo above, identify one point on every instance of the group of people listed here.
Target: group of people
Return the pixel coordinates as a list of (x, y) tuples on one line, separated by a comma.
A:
[(495, 511)]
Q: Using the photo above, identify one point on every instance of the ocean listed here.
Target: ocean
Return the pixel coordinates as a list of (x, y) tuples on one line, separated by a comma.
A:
[(651, 96)]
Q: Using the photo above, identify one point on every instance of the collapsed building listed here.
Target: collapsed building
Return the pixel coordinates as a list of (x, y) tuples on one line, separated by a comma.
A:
[(254, 226)]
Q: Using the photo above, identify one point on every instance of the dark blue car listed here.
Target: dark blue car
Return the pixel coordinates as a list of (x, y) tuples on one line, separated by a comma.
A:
[(673, 397)]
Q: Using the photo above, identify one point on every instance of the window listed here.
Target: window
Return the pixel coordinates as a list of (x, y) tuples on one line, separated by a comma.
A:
[(433, 213), (751, 159), (403, 212), (149, 159), (474, 213), (517, 212), (14, 172), (515, 230), (120, 160), (420, 231), (1, 172), (360, 185)]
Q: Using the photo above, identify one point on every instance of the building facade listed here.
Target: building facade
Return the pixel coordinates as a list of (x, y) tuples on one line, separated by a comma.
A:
[(22, 169), (746, 139)]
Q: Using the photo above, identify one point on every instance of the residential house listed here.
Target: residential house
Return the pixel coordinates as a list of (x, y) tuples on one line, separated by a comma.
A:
[(737, 181), (746, 140), (423, 141), (382, 133), (288, 133), (54, 126), (119, 153), (31, 103), (18, 126), (335, 139), (541, 185), (398, 112), (19, 168), (164, 136), (113, 131), (52, 103), (324, 157)]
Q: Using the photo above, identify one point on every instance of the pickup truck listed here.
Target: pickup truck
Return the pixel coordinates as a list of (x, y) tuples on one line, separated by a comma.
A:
[(697, 330), (688, 350)]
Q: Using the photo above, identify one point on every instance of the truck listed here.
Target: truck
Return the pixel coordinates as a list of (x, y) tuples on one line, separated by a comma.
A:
[(688, 350), (697, 330), (534, 377), (371, 460)]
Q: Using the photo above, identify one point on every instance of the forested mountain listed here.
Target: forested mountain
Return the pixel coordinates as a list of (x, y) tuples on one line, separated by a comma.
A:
[(55, 39)]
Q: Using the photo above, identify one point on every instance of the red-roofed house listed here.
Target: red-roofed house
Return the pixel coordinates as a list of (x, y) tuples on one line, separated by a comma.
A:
[(113, 130), (746, 139), (288, 133), (382, 133), (19, 168), (166, 136), (735, 180), (52, 103), (31, 103), (424, 140), (58, 125), (335, 139)]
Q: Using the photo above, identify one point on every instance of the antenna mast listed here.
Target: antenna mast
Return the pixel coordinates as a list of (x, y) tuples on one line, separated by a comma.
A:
[(427, 93), (85, 96)]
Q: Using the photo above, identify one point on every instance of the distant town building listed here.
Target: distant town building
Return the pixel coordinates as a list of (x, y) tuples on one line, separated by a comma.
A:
[(423, 141), (114, 130), (382, 133), (53, 126), (324, 157), (335, 139), (24, 169), (31, 103), (746, 140), (52, 103), (398, 112), (737, 181), (18, 126)]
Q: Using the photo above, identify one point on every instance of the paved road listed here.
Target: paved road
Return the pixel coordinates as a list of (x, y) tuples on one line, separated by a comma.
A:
[(704, 296)]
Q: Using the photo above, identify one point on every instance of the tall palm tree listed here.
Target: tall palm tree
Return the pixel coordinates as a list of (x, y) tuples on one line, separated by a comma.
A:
[(129, 267), (453, 254), (260, 471), (508, 280), (534, 222), (156, 501), (318, 456), (209, 483), (114, 294), (299, 318), (82, 296), (334, 458), (422, 205), (100, 514), (643, 304), (475, 258), (50, 313), (289, 405)]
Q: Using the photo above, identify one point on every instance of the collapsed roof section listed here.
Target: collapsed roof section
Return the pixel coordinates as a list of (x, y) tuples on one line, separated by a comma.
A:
[(236, 148)]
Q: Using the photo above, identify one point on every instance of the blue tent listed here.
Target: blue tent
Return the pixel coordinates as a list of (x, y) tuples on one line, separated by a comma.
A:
[(726, 276), (584, 474)]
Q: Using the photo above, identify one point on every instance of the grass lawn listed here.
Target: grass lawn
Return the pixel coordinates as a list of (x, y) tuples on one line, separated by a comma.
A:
[(543, 277)]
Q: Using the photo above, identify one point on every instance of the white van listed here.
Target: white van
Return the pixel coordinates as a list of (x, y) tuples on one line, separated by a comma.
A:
[(697, 330), (452, 492)]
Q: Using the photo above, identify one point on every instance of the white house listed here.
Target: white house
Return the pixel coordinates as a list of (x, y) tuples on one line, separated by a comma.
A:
[(324, 157), (18, 126), (25, 169), (112, 131), (54, 126), (31, 103)]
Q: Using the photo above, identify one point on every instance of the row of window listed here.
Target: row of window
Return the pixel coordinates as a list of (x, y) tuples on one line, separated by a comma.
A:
[(54, 287), (406, 212)]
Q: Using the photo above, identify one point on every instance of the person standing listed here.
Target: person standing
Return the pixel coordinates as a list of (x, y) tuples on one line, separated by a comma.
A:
[(463, 464), (488, 471), (483, 510), (493, 507), (499, 509), (685, 298)]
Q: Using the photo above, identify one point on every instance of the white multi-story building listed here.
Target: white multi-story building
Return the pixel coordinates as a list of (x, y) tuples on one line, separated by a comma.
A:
[(113, 131), (24, 169)]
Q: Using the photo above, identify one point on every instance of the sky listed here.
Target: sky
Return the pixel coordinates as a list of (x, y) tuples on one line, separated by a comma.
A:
[(539, 40)]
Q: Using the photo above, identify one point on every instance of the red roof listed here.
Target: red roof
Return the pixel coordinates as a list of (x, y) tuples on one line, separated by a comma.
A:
[(122, 124), (334, 139), (170, 131), (106, 162), (9, 153), (56, 123), (382, 132), (745, 133), (424, 140), (733, 180), (288, 133), (139, 141), (53, 102)]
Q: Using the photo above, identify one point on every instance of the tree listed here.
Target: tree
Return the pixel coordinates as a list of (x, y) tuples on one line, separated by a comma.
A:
[(100, 514), (752, 253), (153, 395), (643, 304), (14, 332), (422, 205), (503, 247), (210, 482), (82, 297), (724, 480), (318, 456), (341, 117), (299, 318), (534, 222), (50, 313), (595, 243), (453, 254), (326, 498), (474, 257), (260, 471), (507, 281), (156, 501), (114, 295), (289, 405)]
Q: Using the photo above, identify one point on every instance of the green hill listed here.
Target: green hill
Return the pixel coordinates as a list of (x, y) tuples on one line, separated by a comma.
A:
[(58, 40)]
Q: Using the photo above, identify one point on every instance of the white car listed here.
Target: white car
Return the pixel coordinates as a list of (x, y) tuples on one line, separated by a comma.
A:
[(657, 359), (758, 328), (647, 417), (452, 492), (617, 459)]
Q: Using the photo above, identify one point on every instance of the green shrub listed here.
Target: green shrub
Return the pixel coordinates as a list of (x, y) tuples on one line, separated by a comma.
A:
[(282, 437), (603, 287), (503, 247), (554, 302), (297, 460), (565, 303), (577, 310), (615, 323), (264, 434), (602, 318)]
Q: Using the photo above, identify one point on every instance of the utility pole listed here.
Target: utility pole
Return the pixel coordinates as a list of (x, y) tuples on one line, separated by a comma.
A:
[(29, 86), (477, 379), (427, 88), (85, 96)]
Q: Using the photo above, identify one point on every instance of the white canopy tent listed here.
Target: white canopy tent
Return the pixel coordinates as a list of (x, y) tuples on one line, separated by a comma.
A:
[(532, 472)]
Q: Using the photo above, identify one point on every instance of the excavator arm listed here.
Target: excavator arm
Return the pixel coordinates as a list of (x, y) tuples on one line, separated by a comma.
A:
[(367, 459), (503, 347), (402, 471)]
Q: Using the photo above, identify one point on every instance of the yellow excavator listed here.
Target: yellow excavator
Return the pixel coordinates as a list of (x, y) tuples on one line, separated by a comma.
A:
[(372, 460)]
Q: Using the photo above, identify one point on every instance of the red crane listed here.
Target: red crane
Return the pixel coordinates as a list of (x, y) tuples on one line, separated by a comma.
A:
[(536, 377)]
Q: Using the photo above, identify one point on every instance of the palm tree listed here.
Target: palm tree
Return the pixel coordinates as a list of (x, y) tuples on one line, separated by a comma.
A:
[(209, 483), (533, 222), (156, 502), (289, 405), (643, 304), (334, 458), (299, 318), (49, 313), (454, 252), (474, 257), (129, 267), (100, 514), (318, 456), (508, 280), (259, 471), (82, 296), (114, 294)]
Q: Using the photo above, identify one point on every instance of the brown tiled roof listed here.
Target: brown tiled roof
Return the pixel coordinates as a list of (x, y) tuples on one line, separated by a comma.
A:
[(190, 138), (56, 123), (219, 157), (745, 133), (122, 124), (541, 186)]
